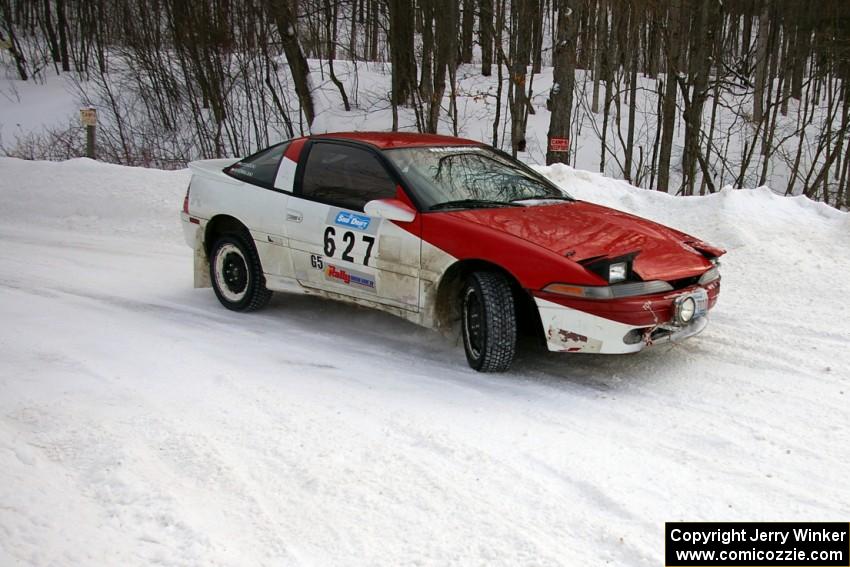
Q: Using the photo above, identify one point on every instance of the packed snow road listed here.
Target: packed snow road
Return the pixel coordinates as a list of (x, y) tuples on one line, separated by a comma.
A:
[(141, 423)]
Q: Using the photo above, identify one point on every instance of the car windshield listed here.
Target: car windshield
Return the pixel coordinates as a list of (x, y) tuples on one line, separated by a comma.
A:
[(446, 177)]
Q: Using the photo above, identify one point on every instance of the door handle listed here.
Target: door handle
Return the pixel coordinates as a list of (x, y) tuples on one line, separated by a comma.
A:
[(294, 216)]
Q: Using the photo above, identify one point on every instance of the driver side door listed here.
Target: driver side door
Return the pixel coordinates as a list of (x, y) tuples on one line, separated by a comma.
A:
[(338, 248)]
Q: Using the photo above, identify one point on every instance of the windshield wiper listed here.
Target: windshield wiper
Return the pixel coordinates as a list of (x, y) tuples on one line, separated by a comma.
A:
[(543, 198), (470, 204)]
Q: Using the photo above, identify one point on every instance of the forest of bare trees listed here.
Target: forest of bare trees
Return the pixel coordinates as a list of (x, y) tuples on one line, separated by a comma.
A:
[(681, 96)]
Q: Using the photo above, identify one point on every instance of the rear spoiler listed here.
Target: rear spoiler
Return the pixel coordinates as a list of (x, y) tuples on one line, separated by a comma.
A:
[(211, 167)]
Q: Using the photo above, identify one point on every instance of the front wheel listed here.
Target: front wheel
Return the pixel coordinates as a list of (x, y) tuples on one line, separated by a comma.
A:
[(489, 322), (236, 275)]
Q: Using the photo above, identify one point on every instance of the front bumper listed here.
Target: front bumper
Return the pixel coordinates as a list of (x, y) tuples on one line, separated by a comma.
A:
[(616, 327)]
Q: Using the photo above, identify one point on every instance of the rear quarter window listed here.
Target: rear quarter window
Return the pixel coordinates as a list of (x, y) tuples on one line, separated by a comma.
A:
[(260, 168)]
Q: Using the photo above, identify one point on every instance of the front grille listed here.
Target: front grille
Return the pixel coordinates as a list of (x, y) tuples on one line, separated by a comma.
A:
[(684, 282), (639, 288)]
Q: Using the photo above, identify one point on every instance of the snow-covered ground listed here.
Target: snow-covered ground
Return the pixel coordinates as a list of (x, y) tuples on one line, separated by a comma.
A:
[(141, 423)]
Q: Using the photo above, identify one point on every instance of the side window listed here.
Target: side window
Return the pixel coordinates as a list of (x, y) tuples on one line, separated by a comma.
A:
[(260, 168), (345, 176)]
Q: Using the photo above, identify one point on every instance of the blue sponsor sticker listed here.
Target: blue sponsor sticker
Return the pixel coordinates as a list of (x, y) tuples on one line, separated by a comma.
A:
[(364, 281), (345, 218)]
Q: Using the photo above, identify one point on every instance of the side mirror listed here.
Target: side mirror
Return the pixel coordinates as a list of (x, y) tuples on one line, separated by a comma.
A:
[(390, 209)]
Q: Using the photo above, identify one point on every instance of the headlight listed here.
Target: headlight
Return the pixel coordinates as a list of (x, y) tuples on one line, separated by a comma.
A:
[(685, 309), (618, 272), (612, 270), (686, 312)]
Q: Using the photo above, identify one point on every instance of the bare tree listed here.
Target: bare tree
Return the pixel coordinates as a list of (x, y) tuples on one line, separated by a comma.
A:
[(521, 13), (669, 106), (14, 46), (282, 15), (331, 14), (402, 54), (485, 26), (761, 63), (560, 101)]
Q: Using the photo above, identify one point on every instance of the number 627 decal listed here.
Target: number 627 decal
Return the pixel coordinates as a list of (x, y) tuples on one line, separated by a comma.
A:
[(348, 240)]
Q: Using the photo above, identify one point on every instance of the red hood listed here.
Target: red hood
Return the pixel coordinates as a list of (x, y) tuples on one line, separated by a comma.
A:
[(581, 230)]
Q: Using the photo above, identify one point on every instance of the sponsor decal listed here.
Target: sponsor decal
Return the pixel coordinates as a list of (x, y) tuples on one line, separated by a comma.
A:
[(349, 277), (452, 149), (353, 220)]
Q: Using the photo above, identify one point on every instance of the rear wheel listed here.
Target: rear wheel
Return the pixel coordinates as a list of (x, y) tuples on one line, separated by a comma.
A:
[(488, 319), (236, 274)]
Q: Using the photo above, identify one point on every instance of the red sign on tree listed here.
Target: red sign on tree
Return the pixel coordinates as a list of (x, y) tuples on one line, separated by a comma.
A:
[(559, 144)]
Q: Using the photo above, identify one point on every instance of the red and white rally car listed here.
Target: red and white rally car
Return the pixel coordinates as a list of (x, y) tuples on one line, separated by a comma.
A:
[(441, 231)]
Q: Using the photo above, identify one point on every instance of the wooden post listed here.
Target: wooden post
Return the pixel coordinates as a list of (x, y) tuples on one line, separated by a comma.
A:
[(88, 117)]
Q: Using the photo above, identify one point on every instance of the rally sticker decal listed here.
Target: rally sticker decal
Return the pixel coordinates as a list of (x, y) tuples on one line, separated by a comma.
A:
[(348, 277)]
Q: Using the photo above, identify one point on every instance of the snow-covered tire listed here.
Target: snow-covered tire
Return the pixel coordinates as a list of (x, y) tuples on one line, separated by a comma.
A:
[(488, 322), (236, 274)]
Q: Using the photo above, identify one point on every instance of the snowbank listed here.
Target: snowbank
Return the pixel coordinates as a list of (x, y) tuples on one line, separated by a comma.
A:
[(82, 195), (142, 423)]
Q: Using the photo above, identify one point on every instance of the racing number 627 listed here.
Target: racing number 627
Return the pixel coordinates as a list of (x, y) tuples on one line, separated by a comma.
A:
[(348, 239)]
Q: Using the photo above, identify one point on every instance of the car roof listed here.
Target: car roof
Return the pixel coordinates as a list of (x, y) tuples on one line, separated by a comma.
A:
[(388, 140)]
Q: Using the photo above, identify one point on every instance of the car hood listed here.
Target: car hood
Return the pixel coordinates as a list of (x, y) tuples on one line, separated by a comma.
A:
[(583, 231)]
